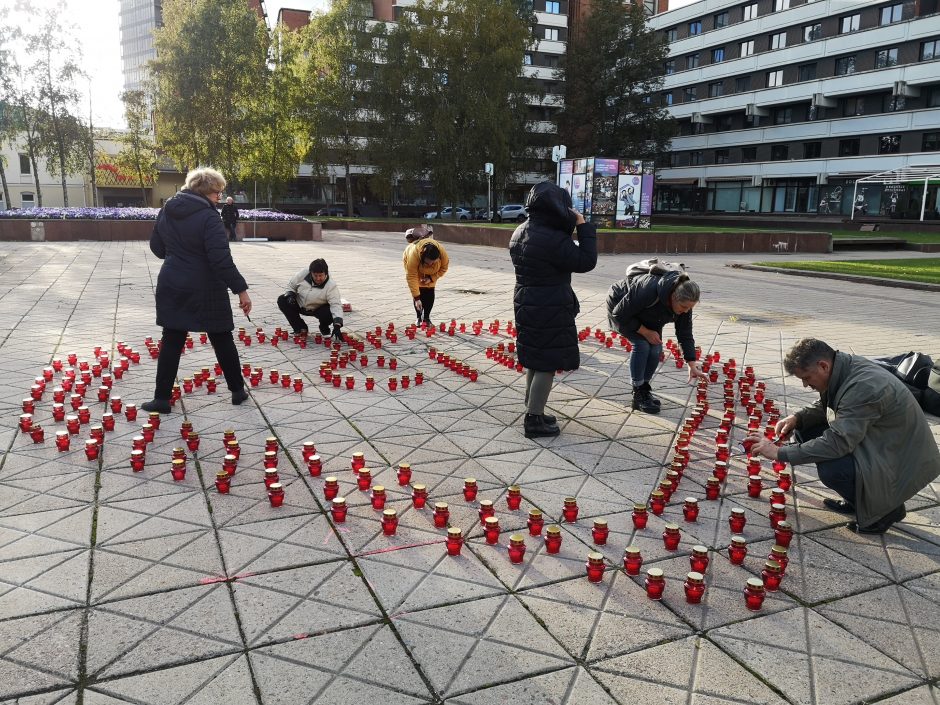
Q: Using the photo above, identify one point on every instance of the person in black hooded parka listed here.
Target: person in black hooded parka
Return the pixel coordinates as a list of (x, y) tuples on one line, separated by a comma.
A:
[(192, 287), (544, 256)]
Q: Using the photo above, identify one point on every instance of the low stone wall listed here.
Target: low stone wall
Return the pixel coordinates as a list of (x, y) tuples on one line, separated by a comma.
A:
[(13, 230)]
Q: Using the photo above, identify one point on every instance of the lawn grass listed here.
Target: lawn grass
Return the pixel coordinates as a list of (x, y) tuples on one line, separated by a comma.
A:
[(925, 270)]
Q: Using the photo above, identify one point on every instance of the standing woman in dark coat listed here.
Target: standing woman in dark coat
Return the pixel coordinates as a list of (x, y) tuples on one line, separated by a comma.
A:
[(544, 255), (192, 287)]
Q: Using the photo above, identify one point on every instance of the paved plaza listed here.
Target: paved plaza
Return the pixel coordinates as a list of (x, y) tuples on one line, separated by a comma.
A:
[(127, 587)]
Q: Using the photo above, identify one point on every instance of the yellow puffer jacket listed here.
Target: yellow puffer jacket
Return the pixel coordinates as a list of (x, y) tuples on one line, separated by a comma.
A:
[(420, 275)]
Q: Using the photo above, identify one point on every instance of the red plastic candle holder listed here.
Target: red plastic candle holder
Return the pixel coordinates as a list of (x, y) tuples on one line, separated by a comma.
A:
[(535, 522), (671, 537), (419, 495), (137, 460), (712, 488), (778, 513), (665, 486), (780, 555), (441, 515), (370, 384), (91, 449), (26, 422), (130, 412), (737, 551), (330, 488), (754, 594), (595, 567), (737, 520), (233, 448), (470, 489), (454, 541), (779, 465), (657, 502), (276, 494), (783, 534), (690, 509), (358, 461), (600, 532), (404, 474), (364, 479), (223, 482), (271, 477), (553, 539), (286, 381), (694, 587), (514, 497), (486, 509), (309, 448), (640, 516), (37, 433), (389, 522), (570, 509), (491, 530), (392, 384), (299, 384), (378, 497), (192, 441), (71, 424), (698, 561), (516, 548), (771, 575), (754, 486), (632, 560), (784, 480), (655, 583), (314, 465), (721, 470), (270, 459), (148, 432), (211, 385), (178, 470), (338, 510), (778, 496)]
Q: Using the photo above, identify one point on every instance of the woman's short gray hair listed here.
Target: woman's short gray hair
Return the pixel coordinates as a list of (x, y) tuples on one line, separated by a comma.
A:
[(205, 180), (687, 290)]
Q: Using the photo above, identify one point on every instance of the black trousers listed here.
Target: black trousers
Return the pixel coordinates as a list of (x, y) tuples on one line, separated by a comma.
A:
[(292, 312), (231, 231), (169, 361), (426, 294)]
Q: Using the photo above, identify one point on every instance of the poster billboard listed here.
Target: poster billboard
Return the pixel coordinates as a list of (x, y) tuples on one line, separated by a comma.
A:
[(610, 192)]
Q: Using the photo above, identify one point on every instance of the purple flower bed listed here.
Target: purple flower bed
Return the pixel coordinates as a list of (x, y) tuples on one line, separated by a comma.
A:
[(127, 214)]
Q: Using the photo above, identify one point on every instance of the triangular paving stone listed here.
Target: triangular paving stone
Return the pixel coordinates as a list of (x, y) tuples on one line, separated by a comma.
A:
[(425, 576), (568, 686), (19, 500), (479, 643), (306, 600), (925, 695), (37, 584), (594, 498), (38, 652), (818, 663), (164, 629), (683, 671), (896, 554), (58, 697), (923, 524), (71, 526), (367, 664), (599, 620), (896, 621), (928, 586)]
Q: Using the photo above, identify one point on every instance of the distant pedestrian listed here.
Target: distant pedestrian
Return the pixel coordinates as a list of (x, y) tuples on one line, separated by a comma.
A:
[(425, 262), (544, 255), (312, 292), (193, 281), (230, 217)]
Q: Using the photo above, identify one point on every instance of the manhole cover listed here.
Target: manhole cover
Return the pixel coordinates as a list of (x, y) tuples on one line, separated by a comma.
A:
[(470, 291)]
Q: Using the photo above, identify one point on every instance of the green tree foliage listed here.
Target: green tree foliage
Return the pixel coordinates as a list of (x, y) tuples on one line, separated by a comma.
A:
[(468, 97), (138, 153), (612, 73), (210, 67), (8, 126)]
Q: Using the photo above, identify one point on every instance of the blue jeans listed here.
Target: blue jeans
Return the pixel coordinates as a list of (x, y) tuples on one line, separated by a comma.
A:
[(838, 474), (643, 360)]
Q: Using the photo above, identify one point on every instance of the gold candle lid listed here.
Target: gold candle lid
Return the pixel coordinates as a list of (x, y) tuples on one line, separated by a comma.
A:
[(695, 577), (553, 529), (657, 494), (359, 454), (440, 506), (270, 471), (365, 472), (737, 511), (221, 475), (600, 522), (778, 507), (515, 488), (378, 489), (699, 549), (639, 507), (145, 427), (404, 466), (134, 453), (232, 443), (454, 532), (691, 500), (755, 583), (331, 480), (228, 432), (712, 480), (270, 439), (389, 514), (229, 458), (738, 540), (270, 454), (772, 566), (338, 501), (671, 527), (594, 556), (784, 525), (655, 573), (779, 550), (486, 503), (276, 487), (535, 513), (571, 500), (632, 550), (418, 487), (491, 522), (516, 539), (176, 461)]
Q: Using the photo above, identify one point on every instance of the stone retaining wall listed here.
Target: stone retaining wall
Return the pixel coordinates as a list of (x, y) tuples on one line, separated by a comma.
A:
[(14, 230)]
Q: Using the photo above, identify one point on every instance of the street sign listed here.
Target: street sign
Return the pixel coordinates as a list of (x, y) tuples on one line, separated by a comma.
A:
[(488, 168)]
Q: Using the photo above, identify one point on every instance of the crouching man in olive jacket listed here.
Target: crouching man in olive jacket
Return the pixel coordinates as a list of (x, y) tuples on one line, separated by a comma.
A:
[(876, 453)]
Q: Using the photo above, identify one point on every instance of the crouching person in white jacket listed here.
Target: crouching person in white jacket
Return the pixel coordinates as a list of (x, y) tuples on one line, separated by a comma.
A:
[(311, 292)]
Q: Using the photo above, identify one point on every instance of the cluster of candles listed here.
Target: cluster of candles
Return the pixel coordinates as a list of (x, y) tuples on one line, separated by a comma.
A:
[(455, 365), (502, 354)]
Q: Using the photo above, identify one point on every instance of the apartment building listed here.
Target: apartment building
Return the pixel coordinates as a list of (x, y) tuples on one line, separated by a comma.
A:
[(783, 104)]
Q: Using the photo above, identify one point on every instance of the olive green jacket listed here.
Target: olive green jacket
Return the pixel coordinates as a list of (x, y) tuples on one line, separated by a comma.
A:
[(878, 421)]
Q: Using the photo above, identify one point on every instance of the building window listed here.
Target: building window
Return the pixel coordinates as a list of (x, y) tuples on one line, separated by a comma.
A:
[(889, 144), (886, 57), (931, 142), (724, 123), (891, 14), (779, 152), (750, 12), (691, 61), (812, 32), (527, 59), (774, 78), (551, 33), (778, 41), (672, 34), (742, 84), (698, 128), (807, 72), (667, 98), (850, 23), (781, 5), (749, 154), (848, 148), (25, 165), (27, 200), (670, 67), (783, 116), (894, 103), (716, 89), (718, 55), (695, 158), (722, 156), (930, 50), (933, 100), (553, 8), (845, 65), (853, 106), (747, 48), (812, 150), (689, 94), (721, 20), (695, 28)]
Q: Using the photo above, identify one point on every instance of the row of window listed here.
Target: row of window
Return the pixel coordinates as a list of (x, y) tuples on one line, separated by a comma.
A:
[(889, 14), (887, 144)]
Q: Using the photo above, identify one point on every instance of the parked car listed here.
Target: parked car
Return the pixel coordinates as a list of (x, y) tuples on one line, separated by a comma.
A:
[(511, 211), (335, 211), (447, 214)]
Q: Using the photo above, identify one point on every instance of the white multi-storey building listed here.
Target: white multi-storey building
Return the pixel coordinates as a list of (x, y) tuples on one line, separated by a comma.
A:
[(783, 104)]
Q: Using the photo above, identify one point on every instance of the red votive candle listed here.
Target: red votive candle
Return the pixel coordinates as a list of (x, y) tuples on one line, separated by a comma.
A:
[(271, 477), (694, 587), (486, 509), (154, 420), (712, 488), (270, 459), (784, 480), (698, 561), (178, 470), (783, 534), (419, 495), (130, 412), (553, 539), (754, 594), (771, 575), (470, 489), (309, 449), (441, 514), (671, 537), (737, 520), (276, 494), (754, 486), (632, 560), (595, 567), (314, 465), (389, 522), (91, 449), (36, 433), (516, 548), (147, 431), (721, 470), (299, 384), (655, 583), (378, 497), (737, 551), (778, 513), (137, 460), (364, 479), (535, 522), (640, 516), (193, 441), (779, 554), (233, 448), (357, 461), (370, 383), (657, 502), (338, 509), (454, 541), (330, 488), (690, 509), (514, 497), (491, 530), (570, 509), (71, 424), (600, 532), (404, 474)]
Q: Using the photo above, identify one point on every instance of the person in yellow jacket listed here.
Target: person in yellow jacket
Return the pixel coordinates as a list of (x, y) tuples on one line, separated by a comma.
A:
[(425, 262)]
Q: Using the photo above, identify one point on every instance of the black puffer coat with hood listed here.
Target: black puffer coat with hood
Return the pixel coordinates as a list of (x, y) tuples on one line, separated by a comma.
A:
[(644, 300), (544, 256), (197, 266)]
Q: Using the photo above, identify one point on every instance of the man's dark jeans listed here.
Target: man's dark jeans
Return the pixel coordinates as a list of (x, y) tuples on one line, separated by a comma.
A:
[(838, 474)]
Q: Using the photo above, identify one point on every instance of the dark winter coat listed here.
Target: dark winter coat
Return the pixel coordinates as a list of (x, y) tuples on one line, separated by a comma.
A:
[(229, 214), (197, 266), (544, 256), (644, 300)]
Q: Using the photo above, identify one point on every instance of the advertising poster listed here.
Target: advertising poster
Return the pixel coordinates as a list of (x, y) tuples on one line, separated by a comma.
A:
[(588, 198), (628, 199), (605, 187), (605, 167), (564, 174), (589, 165), (580, 166), (631, 166), (646, 200), (577, 194)]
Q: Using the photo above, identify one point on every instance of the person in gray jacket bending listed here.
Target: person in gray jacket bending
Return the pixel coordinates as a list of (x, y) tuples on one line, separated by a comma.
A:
[(311, 292), (876, 451)]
